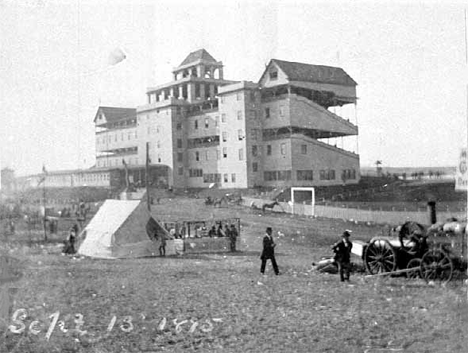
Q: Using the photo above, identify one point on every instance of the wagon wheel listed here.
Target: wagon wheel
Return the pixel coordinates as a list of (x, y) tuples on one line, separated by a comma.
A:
[(436, 265), (380, 256), (414, 267)]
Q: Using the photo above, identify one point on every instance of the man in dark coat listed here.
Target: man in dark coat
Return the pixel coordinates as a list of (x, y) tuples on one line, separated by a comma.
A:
[(268, 252), (342, 257), (233, 237)]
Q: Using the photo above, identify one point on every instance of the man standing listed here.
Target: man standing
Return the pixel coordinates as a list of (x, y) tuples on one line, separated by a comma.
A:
[(233, 236), (268, 252), (342, 257)]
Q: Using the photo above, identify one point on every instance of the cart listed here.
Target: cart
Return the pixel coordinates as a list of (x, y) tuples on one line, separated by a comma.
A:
[(439, 256)]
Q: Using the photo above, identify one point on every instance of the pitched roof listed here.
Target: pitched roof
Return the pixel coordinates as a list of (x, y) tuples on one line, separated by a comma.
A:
[(315, 73), (200, 54), (115, 113)]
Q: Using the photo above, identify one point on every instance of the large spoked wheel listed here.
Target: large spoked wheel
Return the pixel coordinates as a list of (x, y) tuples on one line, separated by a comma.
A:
[(436, 265), (380, 256), (414, 268)]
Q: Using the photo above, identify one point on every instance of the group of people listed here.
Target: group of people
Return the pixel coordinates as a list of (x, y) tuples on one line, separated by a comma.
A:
[(228, 231)]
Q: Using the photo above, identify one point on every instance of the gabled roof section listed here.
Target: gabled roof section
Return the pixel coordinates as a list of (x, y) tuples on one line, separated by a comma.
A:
[(115, 113), (198, 55), (314, 73)]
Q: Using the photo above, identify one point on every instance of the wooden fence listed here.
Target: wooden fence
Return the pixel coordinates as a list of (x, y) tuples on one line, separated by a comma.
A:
[(359, 215)]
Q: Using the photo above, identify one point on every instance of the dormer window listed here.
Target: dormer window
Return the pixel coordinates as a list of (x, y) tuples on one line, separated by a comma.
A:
[(273, 75)]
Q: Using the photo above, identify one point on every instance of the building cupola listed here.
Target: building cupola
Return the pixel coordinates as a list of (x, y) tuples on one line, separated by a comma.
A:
[(199, 64)]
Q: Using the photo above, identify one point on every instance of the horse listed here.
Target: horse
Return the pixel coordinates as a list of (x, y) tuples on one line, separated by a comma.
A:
[(270, 205), (218, 202)]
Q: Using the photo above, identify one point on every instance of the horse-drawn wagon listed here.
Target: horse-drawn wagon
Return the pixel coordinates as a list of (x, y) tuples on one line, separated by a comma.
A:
[(436, 253)]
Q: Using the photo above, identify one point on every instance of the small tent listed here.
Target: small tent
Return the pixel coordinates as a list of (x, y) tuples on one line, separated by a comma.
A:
[(122, 229)]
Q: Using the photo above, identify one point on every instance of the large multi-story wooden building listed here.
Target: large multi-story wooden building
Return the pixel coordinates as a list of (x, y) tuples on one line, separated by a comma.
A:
[(201, 129), (206, 129)]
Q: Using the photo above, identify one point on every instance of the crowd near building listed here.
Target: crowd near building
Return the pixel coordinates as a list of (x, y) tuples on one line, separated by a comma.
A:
[(201, 130)]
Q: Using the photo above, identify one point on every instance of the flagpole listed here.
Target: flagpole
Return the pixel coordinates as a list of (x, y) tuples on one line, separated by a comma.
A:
[(466, 227), (45, 209), (147, 178)]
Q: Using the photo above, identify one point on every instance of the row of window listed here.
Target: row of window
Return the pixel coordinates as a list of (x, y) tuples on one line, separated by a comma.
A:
[(108, 138), (210, 177), (199, 156), (267, 113), (92, 177), (303, 175), (257, 150), (277, 175), (115, 162), (122, 123), (151, 130), (250, 96)]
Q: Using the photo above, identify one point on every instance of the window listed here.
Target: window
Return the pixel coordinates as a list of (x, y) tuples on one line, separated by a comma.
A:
[(254, 150), (197, 156), (180, 170), (240, 134), (253, 134), (224, 136), (207, 153), (255, 167), (269, 176), (129, 136), (196, 124), (327, 174), (179, 143), (223, 118), (179, 126), (273, 75), (195, 173), (304, 149), (284, 175), (283, 149), (252, 96), (158, 129), (241, 154), (281, 110), (233, 177), (268, 150), (158, 144), (217, 121), (180, 157), (226, 178), (224, 152), (159, 158), (115, 137), (207, 123), (267, 113), (239, 115), (305, 175)]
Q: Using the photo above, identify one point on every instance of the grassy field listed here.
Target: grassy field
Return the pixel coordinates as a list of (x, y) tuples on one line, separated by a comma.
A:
[(221, 303)]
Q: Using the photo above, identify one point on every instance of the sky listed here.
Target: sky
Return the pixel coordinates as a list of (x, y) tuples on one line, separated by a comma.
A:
[(408, 58)]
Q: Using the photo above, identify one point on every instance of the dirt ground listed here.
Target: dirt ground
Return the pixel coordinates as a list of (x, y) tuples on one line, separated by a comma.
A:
[(221, 303)]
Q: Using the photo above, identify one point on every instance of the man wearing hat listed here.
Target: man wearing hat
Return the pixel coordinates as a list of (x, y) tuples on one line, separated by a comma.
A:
[(342, 257), (268, 252)]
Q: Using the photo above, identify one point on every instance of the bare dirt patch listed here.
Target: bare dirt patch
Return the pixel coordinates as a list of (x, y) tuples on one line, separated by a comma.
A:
[(220, 303)]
